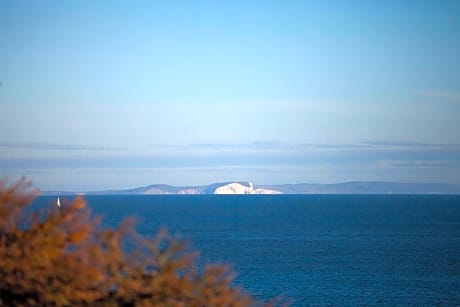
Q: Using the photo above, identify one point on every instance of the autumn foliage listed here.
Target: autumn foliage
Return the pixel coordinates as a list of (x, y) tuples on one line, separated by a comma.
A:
[(63, 257)]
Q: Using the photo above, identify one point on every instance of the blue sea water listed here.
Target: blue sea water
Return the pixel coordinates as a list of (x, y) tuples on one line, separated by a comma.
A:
[(319, 250)]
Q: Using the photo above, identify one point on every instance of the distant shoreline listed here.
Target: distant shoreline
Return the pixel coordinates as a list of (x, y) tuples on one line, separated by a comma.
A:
[(247, 188)]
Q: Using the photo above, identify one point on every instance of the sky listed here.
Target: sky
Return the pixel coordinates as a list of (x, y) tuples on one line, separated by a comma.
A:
[(117, 94)]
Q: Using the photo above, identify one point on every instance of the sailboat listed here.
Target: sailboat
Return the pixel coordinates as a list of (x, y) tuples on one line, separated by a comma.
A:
[(58, 202)]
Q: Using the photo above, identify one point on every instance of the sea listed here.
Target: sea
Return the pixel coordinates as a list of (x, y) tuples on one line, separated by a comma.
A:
[(316, 250)]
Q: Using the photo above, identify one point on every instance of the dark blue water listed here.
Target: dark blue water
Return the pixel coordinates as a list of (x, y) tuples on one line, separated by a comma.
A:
[(315, 249)]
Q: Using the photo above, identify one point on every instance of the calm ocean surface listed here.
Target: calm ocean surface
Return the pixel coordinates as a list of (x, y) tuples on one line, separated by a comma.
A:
[(340, 250)]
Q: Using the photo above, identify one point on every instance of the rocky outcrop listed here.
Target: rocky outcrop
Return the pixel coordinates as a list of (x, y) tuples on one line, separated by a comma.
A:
[(238, 188)]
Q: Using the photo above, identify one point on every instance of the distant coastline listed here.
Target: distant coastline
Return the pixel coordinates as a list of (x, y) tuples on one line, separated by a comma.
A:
[(241, 187)]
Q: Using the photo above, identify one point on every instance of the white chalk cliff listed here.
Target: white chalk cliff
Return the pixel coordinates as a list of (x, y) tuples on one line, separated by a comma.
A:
[(238, 188)]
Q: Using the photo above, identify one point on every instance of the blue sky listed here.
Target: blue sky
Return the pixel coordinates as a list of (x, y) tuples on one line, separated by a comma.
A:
[(114, 94)]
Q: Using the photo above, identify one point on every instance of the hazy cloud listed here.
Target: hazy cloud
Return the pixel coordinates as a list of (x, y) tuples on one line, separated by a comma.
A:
[(249, 155), (55, 146), (449, 95), (265, 162)]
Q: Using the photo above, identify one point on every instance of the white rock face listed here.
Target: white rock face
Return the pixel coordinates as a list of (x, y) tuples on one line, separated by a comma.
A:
[(157, 191), (189, 191), (237, 188)]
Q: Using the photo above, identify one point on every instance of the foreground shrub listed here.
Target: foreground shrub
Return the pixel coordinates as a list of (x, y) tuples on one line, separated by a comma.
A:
[(62, 257)]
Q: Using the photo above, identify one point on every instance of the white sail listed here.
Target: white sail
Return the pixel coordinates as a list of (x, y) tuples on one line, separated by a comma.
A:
[(58, 202)]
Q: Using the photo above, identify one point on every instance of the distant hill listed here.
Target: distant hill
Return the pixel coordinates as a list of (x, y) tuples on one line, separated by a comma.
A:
[(354, 187), (367, 187)]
